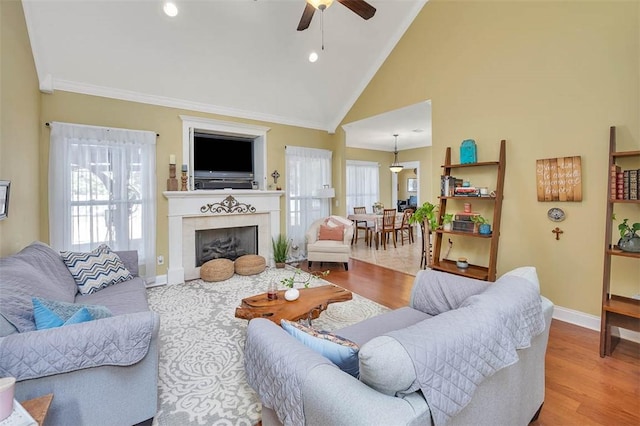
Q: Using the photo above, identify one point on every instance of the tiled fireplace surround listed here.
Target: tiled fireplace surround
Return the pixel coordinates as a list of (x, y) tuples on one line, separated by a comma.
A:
[(196, 210)]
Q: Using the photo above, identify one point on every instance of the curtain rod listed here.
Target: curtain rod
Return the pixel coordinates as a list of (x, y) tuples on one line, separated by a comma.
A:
[(49, 125)]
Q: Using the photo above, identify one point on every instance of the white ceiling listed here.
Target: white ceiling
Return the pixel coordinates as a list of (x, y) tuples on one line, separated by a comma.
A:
[(242, 58)]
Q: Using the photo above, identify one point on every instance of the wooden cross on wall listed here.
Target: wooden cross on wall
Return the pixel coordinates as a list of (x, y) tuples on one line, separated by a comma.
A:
[(275, 175), (557, 231)]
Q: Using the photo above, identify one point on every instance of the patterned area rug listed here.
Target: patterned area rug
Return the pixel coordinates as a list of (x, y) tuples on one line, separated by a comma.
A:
[(201, 377)]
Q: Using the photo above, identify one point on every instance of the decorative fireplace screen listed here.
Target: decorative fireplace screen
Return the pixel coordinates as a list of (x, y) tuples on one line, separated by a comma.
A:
[(225, 243)]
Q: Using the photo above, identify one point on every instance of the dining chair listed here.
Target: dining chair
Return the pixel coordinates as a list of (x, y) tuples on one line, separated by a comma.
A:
[(362, 225), (388, 227), (405, 229)]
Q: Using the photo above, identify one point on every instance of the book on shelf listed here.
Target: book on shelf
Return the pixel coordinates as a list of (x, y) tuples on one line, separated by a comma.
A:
[(625, 184), (615, 169)]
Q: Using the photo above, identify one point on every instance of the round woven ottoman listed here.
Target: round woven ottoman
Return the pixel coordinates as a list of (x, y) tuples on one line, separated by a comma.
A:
[(250, 264), (217, 270)]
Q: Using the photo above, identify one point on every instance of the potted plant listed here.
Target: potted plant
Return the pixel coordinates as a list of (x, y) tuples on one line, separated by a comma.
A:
[(425, 215), (426, 212), (629, 239), (281, 248), (447, 221), (294, 293), (482, 226)]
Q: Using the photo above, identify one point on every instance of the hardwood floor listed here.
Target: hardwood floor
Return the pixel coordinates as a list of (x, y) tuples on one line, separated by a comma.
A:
[(581, 388)]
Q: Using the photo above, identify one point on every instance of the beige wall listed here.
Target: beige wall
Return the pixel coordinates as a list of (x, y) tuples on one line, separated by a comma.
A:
[(550, 78), (19, 130), (98, 111)]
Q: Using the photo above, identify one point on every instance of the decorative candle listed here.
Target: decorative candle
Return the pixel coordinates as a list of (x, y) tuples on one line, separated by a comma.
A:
[(184, 167), (172, 159)]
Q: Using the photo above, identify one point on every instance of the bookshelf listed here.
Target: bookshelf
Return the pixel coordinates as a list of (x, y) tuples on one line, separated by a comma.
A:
[(482, 272), (617, 311)]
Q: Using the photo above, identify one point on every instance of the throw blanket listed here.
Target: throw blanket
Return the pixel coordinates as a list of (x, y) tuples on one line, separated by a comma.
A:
[(455, 351), (279, 379), (435, 292), (119, 340)]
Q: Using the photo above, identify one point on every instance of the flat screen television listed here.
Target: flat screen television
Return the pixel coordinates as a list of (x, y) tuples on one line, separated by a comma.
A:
[(222, 157)]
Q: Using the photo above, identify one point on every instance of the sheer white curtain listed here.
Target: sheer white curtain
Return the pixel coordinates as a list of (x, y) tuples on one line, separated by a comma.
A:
[(307, 170), (102, 189), (363, 184)]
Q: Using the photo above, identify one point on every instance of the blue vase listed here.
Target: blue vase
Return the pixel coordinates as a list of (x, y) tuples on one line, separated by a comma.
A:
[(484, 229)]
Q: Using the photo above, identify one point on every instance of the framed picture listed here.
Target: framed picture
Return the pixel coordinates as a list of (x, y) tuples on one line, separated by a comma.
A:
[(4, 198), (412, 184)]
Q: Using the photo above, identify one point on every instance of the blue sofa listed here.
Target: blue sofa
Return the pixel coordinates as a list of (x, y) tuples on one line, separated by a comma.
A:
[(101, 372)]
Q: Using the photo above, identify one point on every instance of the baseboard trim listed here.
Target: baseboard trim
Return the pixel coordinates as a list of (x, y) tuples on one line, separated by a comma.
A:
[(160, 280), (591, 322)]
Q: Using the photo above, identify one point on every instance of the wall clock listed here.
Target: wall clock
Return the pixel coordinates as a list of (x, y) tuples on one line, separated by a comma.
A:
[(556, 214), (468, 152)]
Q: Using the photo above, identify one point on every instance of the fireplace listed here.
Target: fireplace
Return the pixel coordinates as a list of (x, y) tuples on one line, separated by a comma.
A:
[(225, 243), (192, 211)]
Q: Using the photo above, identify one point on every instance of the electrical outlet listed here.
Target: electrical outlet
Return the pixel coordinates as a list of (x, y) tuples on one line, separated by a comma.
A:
[(161, 260)]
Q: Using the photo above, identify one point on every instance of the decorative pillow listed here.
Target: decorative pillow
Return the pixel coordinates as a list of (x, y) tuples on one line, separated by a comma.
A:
[(66, 310), (342, 352), (331, 233), (46, 318), (96, 270)]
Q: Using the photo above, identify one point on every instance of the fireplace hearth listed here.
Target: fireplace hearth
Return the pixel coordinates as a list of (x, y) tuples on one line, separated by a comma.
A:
[(189, 212)]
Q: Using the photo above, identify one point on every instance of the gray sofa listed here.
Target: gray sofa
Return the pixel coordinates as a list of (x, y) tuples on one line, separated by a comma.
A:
[(464, 352), (101, 372)]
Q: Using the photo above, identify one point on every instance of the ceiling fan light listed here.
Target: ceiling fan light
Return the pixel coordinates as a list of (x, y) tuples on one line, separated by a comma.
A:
[(320, 4), (313, 56), (170, 9)]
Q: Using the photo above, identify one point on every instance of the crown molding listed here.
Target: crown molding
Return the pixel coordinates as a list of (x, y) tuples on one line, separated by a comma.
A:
[(126, 95)]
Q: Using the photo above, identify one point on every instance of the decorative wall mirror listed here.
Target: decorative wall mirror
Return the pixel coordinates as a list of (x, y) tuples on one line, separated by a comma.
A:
[(4, 198)]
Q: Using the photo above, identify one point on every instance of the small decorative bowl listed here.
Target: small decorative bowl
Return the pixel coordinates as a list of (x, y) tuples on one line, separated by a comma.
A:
[(462, 263)]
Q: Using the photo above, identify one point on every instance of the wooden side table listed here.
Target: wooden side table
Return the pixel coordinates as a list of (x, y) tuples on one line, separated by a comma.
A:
[(38, 407)]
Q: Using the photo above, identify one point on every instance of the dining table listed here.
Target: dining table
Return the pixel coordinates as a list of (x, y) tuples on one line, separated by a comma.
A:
[(376, 219)]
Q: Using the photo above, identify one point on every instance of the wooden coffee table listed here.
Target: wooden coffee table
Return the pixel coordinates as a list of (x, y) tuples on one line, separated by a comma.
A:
[(311, 302)]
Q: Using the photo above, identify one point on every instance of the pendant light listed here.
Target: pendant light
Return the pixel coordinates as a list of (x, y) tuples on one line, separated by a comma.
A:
[(395, 167)]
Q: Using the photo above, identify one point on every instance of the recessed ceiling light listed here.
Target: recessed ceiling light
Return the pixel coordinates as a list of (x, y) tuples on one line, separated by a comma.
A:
[(170, 9), (418, 130), (313, 57)]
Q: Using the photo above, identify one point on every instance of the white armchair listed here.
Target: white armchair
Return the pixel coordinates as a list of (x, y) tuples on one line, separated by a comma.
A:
[(329, 240)]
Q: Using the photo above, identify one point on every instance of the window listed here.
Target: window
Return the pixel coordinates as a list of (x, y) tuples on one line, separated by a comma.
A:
[(307, 171), (363, 184), (102, 187)]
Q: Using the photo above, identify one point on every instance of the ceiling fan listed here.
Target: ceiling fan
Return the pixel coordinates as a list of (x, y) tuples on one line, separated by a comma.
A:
[(359, 7)]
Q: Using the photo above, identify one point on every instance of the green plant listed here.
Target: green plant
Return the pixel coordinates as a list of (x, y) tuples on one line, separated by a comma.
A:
[(478, 219), (447, 218), (281, 248), (426, 212), (290, 281), (628, 231)]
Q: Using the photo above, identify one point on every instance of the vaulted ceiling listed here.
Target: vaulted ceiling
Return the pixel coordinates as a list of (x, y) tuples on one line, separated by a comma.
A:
[(242, 58)]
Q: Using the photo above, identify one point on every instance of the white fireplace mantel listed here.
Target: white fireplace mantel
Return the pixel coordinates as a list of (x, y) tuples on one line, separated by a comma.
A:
[(185, 206)]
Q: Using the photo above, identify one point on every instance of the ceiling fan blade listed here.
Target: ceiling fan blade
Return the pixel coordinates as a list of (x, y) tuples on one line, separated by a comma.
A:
[(306, 17), (360, 7)]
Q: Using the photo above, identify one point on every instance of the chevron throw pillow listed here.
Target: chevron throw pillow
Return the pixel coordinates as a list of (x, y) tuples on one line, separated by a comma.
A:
[(95, 270)]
